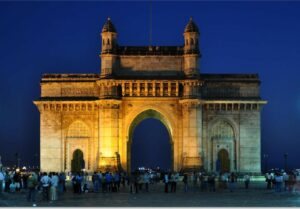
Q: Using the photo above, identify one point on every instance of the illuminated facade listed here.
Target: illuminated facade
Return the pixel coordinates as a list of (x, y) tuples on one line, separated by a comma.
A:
[(213, 119)]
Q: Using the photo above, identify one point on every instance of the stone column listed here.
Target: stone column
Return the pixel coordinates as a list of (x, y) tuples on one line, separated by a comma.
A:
[(123, 88), (130, 88), (191, 129), (51, 153), (177, 88), (146, 88), (108, 133)]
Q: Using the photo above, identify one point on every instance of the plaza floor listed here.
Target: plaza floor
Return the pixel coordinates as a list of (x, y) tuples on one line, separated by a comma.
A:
[(256, 196)]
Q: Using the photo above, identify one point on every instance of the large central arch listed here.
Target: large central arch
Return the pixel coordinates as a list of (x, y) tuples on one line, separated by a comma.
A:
[(149, 113)]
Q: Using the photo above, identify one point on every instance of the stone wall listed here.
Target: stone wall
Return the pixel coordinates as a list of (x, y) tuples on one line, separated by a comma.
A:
[(150, 65)]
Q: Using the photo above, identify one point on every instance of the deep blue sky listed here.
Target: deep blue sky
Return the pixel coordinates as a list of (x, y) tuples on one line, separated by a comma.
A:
[(236, 37)]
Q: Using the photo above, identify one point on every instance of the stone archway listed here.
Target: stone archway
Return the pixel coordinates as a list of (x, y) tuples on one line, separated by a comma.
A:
[(77, 138), (223, 139), (149, 113)]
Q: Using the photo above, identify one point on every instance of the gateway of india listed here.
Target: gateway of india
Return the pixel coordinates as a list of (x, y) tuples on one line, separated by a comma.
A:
[(213, 120)]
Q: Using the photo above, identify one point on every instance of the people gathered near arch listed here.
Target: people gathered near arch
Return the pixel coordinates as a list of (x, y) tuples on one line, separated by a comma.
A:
[(49, 187)]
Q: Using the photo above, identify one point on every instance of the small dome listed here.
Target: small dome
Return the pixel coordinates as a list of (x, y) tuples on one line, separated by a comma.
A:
[(109, 26), (191, 27)]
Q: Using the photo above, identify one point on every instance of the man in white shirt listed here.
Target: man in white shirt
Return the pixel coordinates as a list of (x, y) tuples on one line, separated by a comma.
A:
[(45, 180)]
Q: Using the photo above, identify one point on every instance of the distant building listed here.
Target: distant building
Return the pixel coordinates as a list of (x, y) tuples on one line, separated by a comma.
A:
[(213, 119)]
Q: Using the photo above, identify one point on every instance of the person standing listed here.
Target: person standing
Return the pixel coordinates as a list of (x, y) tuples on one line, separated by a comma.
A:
[(32, 183), (166, 181), (286, 181), (1, 180), (53, 187), (62, 182), (278, 182), (185, 181), (146, 181), (232, 181), (246, 181), (95, 180), (45, 181)]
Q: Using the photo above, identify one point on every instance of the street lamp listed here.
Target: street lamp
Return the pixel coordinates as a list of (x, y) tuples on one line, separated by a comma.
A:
[(285, 156)]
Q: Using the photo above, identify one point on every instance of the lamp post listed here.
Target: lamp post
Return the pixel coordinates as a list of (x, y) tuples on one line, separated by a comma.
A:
[(285, 156), (266, 162)]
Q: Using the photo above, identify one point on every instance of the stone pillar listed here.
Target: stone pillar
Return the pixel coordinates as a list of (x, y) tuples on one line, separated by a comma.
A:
[(108, 134), (191, 132), (51, 150), (146, 88), (130, 88), (123, 88)]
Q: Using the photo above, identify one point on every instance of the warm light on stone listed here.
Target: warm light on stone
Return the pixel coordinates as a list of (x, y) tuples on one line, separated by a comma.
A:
[(210, 118)]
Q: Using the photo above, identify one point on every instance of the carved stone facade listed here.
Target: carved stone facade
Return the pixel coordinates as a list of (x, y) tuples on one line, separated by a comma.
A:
[(97, 113)]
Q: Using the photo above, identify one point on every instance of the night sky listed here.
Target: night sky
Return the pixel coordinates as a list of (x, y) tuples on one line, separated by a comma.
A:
[(236, 37)]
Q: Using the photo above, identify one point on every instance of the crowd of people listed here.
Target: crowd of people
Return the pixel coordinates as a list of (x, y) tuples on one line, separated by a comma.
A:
[(282, 181), (53, 184)]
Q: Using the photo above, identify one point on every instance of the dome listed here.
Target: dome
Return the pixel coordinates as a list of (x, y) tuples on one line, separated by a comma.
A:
[(191, 27), (109, 26)]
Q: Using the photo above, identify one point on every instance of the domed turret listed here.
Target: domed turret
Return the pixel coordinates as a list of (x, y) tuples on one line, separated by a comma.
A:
[(109, 48), (191, 34), (109, 38), (191, 27), (191, 49), (109, 26)]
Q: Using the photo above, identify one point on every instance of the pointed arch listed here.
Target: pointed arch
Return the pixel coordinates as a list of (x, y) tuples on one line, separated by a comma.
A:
[(148, 113)]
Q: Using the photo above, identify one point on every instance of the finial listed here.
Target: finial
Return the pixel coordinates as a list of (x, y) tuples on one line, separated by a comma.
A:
[(108, 18)]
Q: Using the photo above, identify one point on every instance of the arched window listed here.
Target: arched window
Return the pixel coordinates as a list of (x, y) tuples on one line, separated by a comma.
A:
[(223, 130), (186, 42), (108, 43), (78, 129), (192, 41)]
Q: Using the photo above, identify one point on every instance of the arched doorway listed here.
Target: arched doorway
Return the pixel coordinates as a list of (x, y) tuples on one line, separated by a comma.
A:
[(223, 160), (223, 147), (151, 149), (153, 114), (77, 163), (78, 138)]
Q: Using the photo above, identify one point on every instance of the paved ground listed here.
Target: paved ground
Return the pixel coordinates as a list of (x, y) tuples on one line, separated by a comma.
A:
[(256, 196)]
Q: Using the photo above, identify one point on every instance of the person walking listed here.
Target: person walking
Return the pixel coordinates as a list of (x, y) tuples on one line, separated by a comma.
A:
[(246, 181), (32, 183)]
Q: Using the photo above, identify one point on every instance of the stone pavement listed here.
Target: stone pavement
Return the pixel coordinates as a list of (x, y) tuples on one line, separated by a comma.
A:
[(257, 196)]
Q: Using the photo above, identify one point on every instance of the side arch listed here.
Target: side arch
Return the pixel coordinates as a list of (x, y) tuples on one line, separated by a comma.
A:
[(78, 137), (223, 139)]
